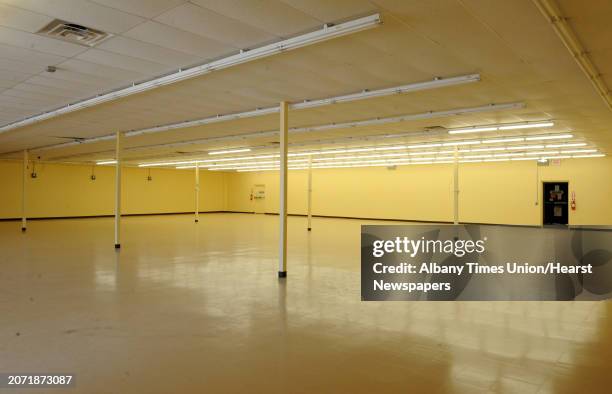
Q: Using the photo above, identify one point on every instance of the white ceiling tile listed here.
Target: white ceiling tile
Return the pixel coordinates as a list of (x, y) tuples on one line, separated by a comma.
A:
[(100, 70), (82, 12), (198, 20), (38, 43), (76, 87), (24, 67), (16, 92), (95, 83), (13, 75), (20, 19), (116, 60), (271, 16), (331, 11), (144, 8), (42, 89), (170, 37), (151, 52), (28, 56)]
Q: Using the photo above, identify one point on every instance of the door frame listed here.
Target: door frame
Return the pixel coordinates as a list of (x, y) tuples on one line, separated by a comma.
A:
[(255, 200), (541, 192)]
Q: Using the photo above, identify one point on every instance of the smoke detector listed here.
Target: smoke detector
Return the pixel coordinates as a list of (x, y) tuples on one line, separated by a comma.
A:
[(71, 32)]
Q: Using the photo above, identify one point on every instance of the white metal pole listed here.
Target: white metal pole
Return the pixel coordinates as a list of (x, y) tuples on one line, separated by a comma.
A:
[(23, 191), (197, 192), (309, 193), (118, 141), (456, 187), (282, 256)]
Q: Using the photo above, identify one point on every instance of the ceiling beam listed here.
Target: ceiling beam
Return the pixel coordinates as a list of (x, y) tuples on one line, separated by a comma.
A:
[(560, 25)]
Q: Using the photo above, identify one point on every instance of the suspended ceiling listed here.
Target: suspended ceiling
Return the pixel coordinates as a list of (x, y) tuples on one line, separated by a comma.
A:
[(510, 44)]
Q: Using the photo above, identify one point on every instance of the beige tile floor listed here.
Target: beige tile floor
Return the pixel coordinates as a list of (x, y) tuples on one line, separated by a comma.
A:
[(186, 308)]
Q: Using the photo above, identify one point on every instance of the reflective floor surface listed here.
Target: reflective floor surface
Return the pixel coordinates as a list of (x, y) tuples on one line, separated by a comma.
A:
[(198, 308)]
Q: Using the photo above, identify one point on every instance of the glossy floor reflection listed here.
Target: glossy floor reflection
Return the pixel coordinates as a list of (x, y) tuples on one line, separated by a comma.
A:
[(188, 308)]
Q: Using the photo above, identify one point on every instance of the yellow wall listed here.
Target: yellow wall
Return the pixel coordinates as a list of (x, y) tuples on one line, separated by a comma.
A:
[(67, 190), (504, 192)]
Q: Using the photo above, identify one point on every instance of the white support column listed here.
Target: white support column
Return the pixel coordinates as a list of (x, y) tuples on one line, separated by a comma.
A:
[(118, 147), (456, 188), (282, 213), (23, 191), (197, 192), (309, 193)]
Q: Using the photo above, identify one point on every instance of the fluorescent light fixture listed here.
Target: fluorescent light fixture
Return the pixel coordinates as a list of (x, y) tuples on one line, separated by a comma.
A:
[(580, 151), (524, 147), (419, 146), (397, 162), (585, 156), (270, 133), (101, 163), (471, 130), (460, 143), (222, 152), (435, 83), (527, 126), (326, 33), (476, 129), (508, 154), (503, 140), (543, 153), (499, 148), (569, 145), (548, 137)]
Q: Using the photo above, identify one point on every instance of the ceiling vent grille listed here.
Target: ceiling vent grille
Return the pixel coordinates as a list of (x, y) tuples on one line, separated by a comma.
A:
[(74, 33)]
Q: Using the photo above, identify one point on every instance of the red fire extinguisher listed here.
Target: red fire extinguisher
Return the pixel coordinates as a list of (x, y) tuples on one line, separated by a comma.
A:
[(573, 202)]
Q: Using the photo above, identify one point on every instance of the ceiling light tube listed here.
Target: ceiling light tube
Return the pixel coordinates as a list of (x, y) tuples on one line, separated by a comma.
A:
[(101, 163), (264, 111), (418, 146), (508, 154), (580, 151), (585, 156), (542, 153), (502, 140), (460, 143), (499, 148), (222, 152), (548, 137), (471, 130), (523, 147), (413, 87), (527, 126), (568, 145)]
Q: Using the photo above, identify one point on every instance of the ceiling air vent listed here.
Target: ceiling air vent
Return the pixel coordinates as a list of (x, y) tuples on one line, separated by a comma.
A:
[(74, 33)]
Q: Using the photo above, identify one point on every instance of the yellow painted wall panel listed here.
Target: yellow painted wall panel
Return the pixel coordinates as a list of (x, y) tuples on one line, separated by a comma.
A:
[(66, 190), (503, 193)]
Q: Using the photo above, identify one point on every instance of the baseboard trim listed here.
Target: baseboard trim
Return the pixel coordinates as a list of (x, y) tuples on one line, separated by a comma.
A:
[(108, 216), (584, 227)]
